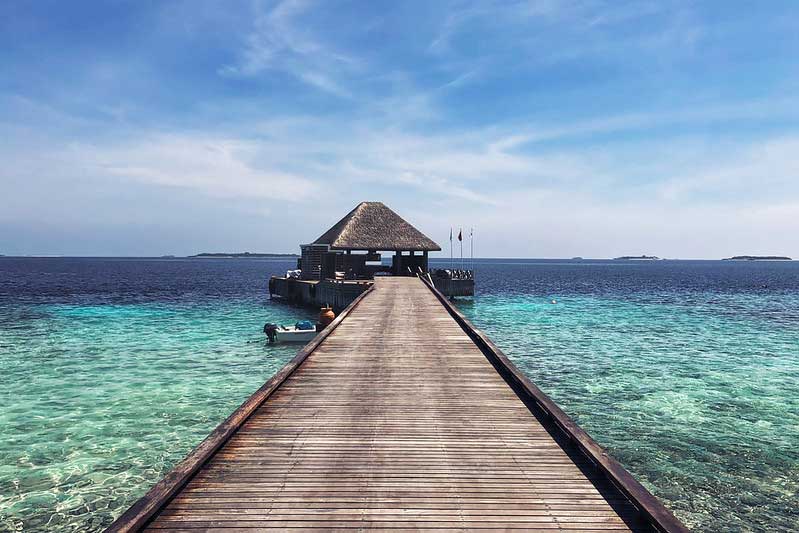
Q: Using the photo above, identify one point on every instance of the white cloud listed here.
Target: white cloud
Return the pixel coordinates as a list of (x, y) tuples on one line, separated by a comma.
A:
[(546, 32), (300, 158), (278, 42), (214, 166), (575, 200), (765, 170), (610, 173)]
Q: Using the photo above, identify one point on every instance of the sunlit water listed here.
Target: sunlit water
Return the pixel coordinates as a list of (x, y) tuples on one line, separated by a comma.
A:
[(688, 372), (114, 369)]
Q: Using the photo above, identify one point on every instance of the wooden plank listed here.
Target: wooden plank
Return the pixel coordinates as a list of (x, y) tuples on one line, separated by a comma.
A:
[(143, 510), (396, 420), (660, 517)]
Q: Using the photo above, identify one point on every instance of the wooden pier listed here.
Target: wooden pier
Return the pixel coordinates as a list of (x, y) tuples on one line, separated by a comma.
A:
[(398, 416)]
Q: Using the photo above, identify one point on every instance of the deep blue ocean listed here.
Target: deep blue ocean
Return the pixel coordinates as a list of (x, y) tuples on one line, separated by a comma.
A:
[(686, 371)]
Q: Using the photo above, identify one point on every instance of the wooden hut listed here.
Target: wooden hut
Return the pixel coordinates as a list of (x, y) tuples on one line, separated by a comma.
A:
[(352, 247), (341, 264)]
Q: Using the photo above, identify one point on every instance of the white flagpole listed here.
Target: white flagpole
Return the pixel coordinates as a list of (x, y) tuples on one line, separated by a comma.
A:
[(450, 248), (460, 234), (471, 251)]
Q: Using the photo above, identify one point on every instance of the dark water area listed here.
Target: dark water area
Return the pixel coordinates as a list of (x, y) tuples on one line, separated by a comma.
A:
[(600, 277), (135, 280), (687, 371)]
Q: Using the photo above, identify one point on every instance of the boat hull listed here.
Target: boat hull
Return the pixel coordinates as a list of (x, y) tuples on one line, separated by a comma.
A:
[(295, 335)]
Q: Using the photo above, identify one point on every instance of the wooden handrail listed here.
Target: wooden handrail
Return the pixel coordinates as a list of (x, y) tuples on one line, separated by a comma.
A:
[(141, 512), (651, 509)]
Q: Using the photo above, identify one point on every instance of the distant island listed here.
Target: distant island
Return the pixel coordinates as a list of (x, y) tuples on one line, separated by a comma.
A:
[(757, 258), (218, 255), (637, 258)]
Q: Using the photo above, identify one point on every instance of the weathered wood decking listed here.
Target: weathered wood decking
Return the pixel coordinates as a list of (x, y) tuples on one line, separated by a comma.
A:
[(400, 420)]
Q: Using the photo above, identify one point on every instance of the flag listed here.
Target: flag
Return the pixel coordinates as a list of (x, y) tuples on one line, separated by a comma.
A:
[(460, 235), (450, 234)]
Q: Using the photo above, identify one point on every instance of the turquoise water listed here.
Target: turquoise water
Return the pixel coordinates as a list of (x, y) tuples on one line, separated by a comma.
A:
[(695, 391), (114, 370), (101, 399), (703, 409)]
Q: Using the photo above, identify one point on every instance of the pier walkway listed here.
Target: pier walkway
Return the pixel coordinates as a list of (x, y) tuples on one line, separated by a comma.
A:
[(400, 416)]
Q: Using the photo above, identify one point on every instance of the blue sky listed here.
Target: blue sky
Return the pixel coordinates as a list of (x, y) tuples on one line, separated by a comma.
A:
[(555, 128)]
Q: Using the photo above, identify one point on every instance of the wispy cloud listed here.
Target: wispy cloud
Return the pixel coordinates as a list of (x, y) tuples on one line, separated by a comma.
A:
[(293, 159), (218, 167), (546, 32), (764, 171), (605, 121), (278, 42)]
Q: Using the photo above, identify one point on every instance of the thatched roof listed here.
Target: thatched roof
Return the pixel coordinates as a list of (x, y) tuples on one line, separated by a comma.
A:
[(373, 226)]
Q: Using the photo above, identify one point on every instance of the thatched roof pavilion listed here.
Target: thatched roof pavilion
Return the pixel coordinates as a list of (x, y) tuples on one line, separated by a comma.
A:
[(369, 228), (373, 226)]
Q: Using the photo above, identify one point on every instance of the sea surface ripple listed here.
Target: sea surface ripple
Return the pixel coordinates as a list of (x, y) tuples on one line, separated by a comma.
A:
[(686, 371)]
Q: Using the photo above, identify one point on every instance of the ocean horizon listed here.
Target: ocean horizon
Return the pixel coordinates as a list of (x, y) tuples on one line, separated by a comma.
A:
[(438, 259)]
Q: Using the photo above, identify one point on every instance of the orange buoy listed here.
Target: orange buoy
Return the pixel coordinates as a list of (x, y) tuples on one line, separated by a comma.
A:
[(326, 316)]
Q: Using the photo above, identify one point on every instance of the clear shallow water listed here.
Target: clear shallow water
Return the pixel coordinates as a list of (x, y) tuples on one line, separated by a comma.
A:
[(688, 372), (112, 370)]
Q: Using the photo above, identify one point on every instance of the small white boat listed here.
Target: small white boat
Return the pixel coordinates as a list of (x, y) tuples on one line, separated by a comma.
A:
[(303, 331), (292, 334)]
